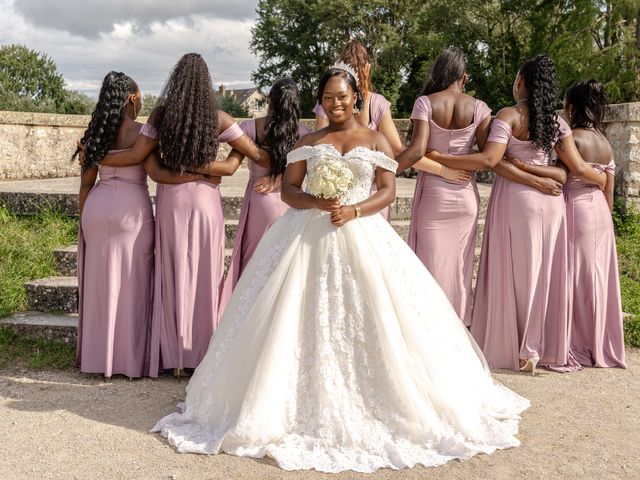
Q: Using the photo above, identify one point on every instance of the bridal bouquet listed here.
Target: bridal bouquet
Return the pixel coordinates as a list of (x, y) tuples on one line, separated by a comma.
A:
[(330, 178)]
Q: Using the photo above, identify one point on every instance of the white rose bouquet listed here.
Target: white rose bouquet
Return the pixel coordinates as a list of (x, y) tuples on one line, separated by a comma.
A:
[(330, 178)]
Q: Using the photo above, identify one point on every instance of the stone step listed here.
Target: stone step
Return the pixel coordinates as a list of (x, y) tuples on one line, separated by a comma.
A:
[(53, 294), (46, 326)]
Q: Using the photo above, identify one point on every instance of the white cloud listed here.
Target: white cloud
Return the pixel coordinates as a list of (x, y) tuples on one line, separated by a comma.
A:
[(145, 49)]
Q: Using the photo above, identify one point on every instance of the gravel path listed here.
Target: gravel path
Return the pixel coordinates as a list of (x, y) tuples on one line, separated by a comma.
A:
[(65, 425)]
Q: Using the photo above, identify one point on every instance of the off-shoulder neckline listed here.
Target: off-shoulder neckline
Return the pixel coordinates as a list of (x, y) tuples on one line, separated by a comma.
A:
[(343, 155)]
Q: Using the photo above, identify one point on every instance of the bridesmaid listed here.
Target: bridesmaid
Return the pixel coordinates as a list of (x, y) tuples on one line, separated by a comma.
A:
[(278, 132), (520, 315), (446, 201), (187, 128), (115, 245), (375, 112), (597, 336)]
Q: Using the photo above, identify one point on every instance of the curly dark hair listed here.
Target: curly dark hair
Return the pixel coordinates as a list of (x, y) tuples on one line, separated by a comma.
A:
[(588, 101), (336, 72), (187, 116), (357, 56), (539, 75), (106, 118), (281, 131), (449, 67)]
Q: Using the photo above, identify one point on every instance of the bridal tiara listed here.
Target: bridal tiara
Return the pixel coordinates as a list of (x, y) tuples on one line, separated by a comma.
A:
[(346, 68)]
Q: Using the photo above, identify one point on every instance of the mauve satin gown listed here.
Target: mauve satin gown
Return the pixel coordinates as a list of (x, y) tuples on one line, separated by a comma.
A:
[(521, 307), (189, 269), (115, 274), (597, 334), (378, 106), (444, 217), (259, 212)]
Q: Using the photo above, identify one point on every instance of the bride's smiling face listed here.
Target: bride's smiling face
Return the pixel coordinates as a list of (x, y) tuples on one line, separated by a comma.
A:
[(338, 100)]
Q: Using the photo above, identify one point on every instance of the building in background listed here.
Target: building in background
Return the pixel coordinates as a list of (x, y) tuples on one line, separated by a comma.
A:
[(252, 100)]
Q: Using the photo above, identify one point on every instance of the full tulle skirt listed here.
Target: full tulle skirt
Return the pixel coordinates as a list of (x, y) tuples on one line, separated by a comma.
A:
[(339, 351)]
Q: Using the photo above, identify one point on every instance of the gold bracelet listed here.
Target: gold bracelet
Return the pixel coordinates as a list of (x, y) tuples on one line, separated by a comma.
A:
[(356, 207)]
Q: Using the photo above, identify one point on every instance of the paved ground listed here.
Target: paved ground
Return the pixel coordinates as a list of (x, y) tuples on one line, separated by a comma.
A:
[(65, 425)]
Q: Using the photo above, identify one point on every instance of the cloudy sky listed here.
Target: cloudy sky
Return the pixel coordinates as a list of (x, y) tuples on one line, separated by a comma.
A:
[(143, 38)]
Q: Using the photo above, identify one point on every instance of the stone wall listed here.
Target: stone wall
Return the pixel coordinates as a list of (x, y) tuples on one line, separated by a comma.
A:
[(39, 145)]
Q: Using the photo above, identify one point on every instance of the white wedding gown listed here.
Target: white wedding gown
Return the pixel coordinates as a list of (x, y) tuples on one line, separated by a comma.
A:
[(339, 351)]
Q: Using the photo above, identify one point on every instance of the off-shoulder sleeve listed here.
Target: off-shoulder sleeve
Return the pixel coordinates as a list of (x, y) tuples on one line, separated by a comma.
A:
[(301, 153), (421, 109), (148, 130), (381, 160), (482, 111), (230, 134), (302, 129), (249, 127), (500, 132), (319, 111), (611, 167), (380, 106), (565, 129)]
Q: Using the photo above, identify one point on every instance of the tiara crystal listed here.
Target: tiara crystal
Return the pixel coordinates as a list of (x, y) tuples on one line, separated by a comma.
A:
[(345, 67)]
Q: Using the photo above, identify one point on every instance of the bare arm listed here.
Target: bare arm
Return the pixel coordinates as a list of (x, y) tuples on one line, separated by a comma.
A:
[(243, 144), (425, 164), (293, 195), (567, 152), (417, 148), (547, 186), (389, 130), (608, 190), (482, 132), (87, 181), (487, 159), (141, 149), (548, 171), (160, 174), (222, 168)]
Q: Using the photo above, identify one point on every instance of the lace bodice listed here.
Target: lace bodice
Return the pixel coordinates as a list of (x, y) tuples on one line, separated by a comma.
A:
[(362, 161)]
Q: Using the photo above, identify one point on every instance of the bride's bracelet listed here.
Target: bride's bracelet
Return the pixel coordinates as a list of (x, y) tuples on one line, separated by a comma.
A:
[(358, 210)]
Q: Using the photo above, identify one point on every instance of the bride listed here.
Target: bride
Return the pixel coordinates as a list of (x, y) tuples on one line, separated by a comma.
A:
[(338, 350)]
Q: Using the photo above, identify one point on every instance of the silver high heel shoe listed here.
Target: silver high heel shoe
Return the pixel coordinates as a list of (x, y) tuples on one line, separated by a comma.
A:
[(530, 366)]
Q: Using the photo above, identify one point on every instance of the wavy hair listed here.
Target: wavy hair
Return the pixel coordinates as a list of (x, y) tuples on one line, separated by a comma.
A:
[(357, 56), (187, 116), (539, 75), (106, 118), (448, 67), (588, 101), (336, 72), (281, 131)]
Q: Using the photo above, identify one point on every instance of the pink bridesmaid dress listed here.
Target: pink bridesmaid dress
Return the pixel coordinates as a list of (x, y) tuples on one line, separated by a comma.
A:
[(115, 274), (597, 335), (378, 106), (259, 212), (189, 269), (521, 307), (444, 216)]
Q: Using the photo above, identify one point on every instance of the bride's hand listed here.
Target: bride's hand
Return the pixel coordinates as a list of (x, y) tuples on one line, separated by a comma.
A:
[(342, 215), (327, 204)]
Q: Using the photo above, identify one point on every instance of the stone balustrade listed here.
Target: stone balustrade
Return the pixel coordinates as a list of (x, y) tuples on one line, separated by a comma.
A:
[(40, 145)]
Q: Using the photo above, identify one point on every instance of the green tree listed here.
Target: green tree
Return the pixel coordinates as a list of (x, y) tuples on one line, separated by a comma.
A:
[(301, 38), (149, 101), (77, 103), (31, 77), (229, 104)]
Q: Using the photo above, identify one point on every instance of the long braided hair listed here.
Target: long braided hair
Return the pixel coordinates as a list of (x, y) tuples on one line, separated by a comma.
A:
[(539, 76), (281, 133), (106, 118), (187, 116), (588, 101)]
